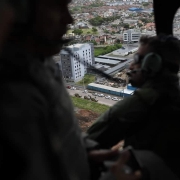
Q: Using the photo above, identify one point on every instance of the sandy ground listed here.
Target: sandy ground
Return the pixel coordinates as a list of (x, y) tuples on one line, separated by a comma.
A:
[(85, 118)]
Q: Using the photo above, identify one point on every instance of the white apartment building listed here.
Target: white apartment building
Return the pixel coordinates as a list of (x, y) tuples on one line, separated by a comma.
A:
[(71, 68), (131, 36)]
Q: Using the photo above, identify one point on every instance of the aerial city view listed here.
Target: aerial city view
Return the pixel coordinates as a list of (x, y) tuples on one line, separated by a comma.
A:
[(105, 34), (90, 89)]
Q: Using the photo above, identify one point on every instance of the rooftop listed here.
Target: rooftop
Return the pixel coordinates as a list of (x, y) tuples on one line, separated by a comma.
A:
[(106, 61), (118, 67), (105, 87), (77, 47)]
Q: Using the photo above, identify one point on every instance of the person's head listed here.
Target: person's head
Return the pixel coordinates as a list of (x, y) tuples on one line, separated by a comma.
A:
[(153, 56), (43, 25)]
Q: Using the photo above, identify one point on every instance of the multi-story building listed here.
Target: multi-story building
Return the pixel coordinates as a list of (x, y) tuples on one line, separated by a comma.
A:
[(71, 67), (131, 35)]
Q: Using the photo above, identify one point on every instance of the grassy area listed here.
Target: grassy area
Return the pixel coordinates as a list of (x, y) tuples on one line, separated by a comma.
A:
[(88, 78), (105, 50), (89, 105), (85, 31)]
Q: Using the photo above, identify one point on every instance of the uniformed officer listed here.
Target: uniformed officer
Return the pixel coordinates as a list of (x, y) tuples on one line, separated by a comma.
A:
[(147, 119)]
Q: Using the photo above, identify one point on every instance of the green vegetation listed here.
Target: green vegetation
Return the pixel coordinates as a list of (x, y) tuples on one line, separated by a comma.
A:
[(106, 31), (96, 4), (124, 25), (84, 31), (145, 20), (76, 9), (94, 29), (105, 50), (97, 21), (89, 105), (88, 78), (77, 31), (145, 4)]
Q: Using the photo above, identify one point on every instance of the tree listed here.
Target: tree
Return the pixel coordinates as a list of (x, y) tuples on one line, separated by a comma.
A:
[(106, 31), (77, 31), (94, 30), (139, 25), (114, 25), (94, 42), (126, 26), (145, 4), (117, 41)]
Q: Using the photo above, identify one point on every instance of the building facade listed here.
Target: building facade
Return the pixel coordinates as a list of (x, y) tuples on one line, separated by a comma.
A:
[(74, 68), (131, 36)]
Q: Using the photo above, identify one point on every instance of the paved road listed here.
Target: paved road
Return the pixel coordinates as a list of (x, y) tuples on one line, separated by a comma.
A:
[(101, 100)]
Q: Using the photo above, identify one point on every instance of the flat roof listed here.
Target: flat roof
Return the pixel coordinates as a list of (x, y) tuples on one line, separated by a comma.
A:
[(118, 67), (127, 91), (105, 87), (107, 61), (101, 65), (77, 47), (113, 58)]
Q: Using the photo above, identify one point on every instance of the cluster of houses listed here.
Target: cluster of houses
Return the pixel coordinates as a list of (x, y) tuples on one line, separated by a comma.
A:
[(97, 39), (129, 12), (110, 32)]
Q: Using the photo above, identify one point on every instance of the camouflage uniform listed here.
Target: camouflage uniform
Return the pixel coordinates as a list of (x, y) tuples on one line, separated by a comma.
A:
[(147, 120), (40, 138)]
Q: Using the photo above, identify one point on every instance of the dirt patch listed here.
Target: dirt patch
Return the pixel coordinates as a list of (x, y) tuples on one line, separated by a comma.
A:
[(85, 118)]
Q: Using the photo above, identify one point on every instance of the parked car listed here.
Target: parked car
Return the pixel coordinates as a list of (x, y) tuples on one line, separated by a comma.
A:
[(73, 88), (101, 95), (108, 97), (85, 91), (95, 94), (77, 95), (87, 97), (115, 99), (69, 87)]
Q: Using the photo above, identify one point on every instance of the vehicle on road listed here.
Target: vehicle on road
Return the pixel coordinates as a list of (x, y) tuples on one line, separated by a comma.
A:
[(115, 99), (85, 91), (108, 97), (87, 97), (73, 88), (93, 99), (69, 87), (101, 95), (77, 95), (95, 94)]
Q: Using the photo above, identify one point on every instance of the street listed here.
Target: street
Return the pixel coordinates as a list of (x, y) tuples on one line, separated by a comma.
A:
[(101, 100)]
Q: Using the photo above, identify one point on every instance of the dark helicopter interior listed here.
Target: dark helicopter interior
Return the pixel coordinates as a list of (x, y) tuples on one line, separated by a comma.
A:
[(164, 12)]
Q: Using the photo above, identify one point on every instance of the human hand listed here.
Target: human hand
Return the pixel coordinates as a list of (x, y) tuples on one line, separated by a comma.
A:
[(96, 160), (118, 169), (99, 156), (118, 146)]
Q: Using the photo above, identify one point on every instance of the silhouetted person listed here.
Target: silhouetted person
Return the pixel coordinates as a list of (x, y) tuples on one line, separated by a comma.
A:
[(148, 120), (40, 137)]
